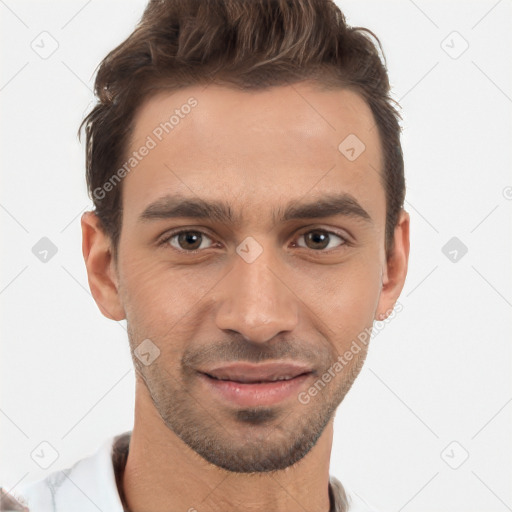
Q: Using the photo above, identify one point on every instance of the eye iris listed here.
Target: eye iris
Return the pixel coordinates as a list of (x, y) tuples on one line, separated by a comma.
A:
[(317, 237), (191, 237)]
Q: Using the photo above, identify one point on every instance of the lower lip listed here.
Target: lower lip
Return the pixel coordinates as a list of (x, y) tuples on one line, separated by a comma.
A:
[(249, 395)]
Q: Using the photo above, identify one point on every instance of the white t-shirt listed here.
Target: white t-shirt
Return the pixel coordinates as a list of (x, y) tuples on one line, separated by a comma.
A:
[(90, 485)]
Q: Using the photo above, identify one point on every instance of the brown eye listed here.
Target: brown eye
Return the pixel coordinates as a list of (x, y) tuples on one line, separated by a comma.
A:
[(319, 239), (188, 240)]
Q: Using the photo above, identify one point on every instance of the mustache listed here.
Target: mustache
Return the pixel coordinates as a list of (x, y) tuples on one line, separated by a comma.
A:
[(242, 350)]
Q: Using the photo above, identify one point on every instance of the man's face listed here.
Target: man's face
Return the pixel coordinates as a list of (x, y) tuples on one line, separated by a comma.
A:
[(265, 286)]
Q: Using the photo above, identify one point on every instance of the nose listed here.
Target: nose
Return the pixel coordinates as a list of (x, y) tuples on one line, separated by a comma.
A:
[(255, 299)]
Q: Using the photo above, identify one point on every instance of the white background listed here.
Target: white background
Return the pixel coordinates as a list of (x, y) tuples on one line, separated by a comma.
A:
[(439, 372)]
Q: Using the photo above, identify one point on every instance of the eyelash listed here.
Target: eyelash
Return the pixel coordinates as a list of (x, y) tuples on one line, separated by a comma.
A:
[(170, 236)]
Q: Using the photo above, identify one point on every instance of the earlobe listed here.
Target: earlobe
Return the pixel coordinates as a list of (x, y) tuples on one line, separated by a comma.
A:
[(393, 277), (97, 253), (383, 316)]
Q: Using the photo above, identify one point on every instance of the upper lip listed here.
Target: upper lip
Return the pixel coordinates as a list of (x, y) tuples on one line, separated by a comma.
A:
[(244, 372)]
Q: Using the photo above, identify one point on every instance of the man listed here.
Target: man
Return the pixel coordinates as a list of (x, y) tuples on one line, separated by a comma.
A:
[(245, 165)]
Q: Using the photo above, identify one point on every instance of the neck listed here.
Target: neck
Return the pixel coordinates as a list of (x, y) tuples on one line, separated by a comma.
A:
[(163, 474)]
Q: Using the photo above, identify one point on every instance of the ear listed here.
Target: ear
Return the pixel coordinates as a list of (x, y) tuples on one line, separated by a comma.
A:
[(97, 252), (395, 270)]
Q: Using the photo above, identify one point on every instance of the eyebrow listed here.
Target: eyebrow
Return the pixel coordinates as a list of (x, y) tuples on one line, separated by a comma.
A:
[(171, 206)]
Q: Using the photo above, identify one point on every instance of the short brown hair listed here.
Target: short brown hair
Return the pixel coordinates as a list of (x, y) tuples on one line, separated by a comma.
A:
[(248, 44)]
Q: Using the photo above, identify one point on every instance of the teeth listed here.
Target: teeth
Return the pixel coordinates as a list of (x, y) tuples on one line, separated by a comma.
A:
[(258, 381)]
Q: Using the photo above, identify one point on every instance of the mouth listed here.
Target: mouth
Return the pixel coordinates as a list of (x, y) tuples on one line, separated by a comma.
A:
[(253, 385), (251, 374), (248, 380)]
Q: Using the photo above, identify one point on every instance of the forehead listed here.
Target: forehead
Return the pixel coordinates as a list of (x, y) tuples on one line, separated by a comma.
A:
[(254, 148)]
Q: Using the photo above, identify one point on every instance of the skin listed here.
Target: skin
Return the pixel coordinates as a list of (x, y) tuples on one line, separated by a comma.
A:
[(298, 300)]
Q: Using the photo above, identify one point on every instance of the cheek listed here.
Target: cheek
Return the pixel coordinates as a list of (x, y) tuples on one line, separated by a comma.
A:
[(346, 299), (158, 296)]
